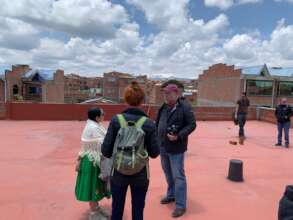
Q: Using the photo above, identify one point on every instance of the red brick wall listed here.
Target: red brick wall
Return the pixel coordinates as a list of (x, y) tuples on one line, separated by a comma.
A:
[(14, 78), (24, 111), (108, 85), (2, 110), (156, 95), (53, 92), (260, 100), (267, 114), (220, 85), (220, 113), (2, 92), (290, 100)]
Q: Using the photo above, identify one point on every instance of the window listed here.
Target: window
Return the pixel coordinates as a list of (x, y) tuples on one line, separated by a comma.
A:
[(111, 79), (35, 90), (15, 90), (261, 88), (111, 91), (286, 88), (141, 81)]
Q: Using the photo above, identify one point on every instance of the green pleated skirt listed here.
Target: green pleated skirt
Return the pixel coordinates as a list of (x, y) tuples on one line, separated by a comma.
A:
[(89, 187)]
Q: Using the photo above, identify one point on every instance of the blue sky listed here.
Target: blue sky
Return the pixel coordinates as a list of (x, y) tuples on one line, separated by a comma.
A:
[(163, 37), (249, 17), (262, 16)]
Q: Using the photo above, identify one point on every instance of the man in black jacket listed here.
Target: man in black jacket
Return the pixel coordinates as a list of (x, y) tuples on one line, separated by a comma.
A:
[(286, 205), (283, 114), (175, 122)]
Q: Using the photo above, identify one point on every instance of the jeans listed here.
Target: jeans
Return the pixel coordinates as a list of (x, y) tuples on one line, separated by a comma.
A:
[(283, 126), (241, 121), (173, 167), (138, 195)]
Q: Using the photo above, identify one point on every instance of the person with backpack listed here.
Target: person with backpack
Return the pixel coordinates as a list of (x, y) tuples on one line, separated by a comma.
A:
[(175, 122), (130, 140), (283, 114)]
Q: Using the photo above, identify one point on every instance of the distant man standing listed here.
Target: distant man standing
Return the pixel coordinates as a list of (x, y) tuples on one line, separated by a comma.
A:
[(283, 114), (175, 123), (241, 114)]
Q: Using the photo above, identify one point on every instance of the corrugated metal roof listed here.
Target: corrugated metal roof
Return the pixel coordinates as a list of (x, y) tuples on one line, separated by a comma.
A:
[(253, 70), (45, 74), (281, 71), (273, 71)]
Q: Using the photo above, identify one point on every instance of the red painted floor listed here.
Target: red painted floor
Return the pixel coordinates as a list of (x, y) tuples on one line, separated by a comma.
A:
[(37, 175)]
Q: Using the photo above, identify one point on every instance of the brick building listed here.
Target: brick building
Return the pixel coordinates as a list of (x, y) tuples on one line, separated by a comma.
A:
[(22, 83), (114, 84), (79, 88), (3, 70), (154, 93), (222, 85)]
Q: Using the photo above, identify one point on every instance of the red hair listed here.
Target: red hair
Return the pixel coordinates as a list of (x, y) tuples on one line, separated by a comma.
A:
[(134, 95)]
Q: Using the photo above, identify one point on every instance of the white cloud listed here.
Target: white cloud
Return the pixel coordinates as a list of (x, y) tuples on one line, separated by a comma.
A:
[(13, 34), (250, 49), (290, 1), (242, 47), (281, 40), (222, 4), (166, 14), (85, 18), (225, 4), (182, 46)]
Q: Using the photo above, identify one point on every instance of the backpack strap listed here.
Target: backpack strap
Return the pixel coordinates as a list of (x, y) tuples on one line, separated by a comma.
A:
[(122, 121), (140, 122)]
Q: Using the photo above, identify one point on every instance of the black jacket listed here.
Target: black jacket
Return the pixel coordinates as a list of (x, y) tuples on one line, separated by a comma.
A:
[(151, 143), (183, 118), (283, 113), (286, 205)]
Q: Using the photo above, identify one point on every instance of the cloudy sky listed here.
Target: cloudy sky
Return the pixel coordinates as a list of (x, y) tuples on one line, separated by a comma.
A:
[(154, 37)]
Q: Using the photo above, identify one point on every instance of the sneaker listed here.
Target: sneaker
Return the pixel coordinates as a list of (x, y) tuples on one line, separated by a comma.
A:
[(103, 212), (178, 213), (167, 200), (278, 145)]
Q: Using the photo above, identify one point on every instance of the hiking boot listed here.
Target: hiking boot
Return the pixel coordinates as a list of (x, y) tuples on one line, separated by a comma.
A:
[(167, 200), (241, 140), (178, 212)]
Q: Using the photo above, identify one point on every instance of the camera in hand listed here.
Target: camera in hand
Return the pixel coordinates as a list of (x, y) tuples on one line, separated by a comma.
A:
[(173, 129)]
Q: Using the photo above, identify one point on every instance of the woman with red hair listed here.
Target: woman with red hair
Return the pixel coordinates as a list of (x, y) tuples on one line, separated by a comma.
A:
[(134, 97)]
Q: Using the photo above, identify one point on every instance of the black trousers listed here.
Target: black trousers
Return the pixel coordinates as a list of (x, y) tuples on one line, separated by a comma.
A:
[(138, 195), (241, 120)]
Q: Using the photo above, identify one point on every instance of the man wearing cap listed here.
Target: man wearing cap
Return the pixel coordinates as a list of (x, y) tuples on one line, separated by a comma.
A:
[(283, 114), (175, 122)]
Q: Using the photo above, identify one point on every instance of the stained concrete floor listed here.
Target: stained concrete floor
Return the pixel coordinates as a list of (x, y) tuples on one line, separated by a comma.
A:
[(37, 176)]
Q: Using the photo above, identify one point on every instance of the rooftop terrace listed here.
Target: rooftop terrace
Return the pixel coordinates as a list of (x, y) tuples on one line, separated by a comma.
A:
[(37, 176)]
